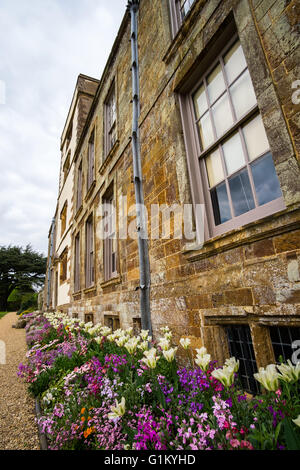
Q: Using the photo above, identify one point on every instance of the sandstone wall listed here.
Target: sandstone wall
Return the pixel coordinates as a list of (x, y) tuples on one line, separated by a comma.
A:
[(247, 276)]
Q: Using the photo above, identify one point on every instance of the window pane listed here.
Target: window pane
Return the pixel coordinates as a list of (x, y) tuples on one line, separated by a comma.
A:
[(233, 154), (241, 347), (216, 84), (255, 137), (241, 193), (220, 204), (243, 95), (282, 338), (214, 168), (222, 115), (185, 6), (235, 62), (200, 101), (205, 131), (265, 180)]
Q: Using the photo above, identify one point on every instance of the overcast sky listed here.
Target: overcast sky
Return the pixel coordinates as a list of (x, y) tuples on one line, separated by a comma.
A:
[(44, 46)]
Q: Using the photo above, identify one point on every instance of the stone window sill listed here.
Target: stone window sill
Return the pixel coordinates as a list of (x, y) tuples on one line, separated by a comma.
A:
[(90, 190), (246, 234), (78, 292), (88, 290), (111, 282), (78, 212)]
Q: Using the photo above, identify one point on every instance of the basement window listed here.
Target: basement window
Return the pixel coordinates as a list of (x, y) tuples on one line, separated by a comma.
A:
[(89, 317), (137, 325), (112, 322), (283, 338), (241, 347)]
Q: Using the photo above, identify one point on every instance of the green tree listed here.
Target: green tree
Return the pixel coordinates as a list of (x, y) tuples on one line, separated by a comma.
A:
[(20, 268)]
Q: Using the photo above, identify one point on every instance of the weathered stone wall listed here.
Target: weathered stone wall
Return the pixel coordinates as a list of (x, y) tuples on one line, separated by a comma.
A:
[(247, 276), (278, 25)]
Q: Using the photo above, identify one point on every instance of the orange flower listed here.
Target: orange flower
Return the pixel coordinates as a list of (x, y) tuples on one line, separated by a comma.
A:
[(82, 419), (87, 432), (82, 411)]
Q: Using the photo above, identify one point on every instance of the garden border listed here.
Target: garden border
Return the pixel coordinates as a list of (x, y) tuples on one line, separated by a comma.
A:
[(42, 436)]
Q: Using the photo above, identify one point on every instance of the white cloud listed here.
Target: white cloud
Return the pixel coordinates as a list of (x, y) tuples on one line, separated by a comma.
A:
[(44, 45)]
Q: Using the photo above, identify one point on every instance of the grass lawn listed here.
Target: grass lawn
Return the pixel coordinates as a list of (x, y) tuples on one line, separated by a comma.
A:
[(2, 314)]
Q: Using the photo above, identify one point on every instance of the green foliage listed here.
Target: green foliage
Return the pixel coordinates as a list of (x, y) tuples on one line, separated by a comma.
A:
[(292, 437), (20, 268), (29, 303), (42, 382), (265, 439)]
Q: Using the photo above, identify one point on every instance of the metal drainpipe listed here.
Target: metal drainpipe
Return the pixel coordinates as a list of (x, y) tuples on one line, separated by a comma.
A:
[(50, 262), (145, 278)]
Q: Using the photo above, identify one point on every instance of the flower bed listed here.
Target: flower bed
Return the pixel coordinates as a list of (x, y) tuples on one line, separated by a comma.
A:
[(114, 391)]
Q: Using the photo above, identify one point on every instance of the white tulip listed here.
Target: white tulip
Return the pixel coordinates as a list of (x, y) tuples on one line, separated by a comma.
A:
[(268, 377), (170, 354), (289, 372), (297, 421), (143, 346), (203, 361), (150, 358), (224, 375), (164, 344), (165, 329), (121, 341), (105, 331), (185, 343), (233, 362), (118, 410), (202, 351), (131, 345), (144, 334)]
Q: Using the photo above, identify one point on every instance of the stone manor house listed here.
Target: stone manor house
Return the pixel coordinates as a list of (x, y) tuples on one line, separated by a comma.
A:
[(219, 126)]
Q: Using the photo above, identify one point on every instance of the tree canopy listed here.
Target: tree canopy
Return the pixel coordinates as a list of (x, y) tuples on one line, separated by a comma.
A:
[(20, 268)]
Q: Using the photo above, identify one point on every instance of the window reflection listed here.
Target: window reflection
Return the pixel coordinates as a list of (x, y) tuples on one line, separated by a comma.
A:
[(241, 193), (265, 180), (220, 202)]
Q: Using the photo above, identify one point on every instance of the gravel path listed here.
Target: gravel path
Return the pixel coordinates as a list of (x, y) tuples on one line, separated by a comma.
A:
[(18, 430)]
